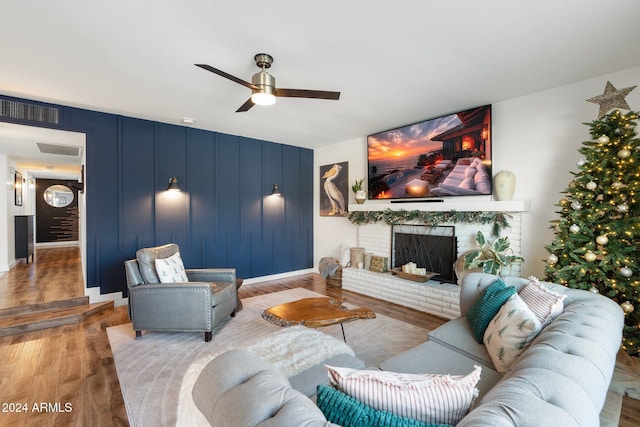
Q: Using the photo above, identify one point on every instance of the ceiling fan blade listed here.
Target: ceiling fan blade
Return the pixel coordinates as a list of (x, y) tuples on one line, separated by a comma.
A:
[(226, 75), (303, 93), (245, 106)]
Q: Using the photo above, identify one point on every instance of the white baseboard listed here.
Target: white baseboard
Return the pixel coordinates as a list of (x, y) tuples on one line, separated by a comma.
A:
[(278, 276), (117, 298), (57, 244)]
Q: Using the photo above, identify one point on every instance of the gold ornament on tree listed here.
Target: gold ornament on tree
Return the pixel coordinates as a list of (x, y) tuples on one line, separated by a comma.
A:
[(590, 256), (624, 153), (627, 307)]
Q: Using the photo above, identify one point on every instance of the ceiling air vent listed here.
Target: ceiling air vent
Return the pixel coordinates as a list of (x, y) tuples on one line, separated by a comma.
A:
[(29, 112), (62, 150)]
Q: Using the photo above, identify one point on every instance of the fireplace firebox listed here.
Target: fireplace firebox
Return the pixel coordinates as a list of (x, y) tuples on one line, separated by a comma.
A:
[(434, 248)]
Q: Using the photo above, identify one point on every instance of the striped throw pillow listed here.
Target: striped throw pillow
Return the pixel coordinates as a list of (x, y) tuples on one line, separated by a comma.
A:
[(429, 398), (545, 303), (171, 270), (346, 411)]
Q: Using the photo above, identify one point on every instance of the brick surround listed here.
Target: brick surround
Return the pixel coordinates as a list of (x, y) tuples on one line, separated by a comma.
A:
[(440, 299)]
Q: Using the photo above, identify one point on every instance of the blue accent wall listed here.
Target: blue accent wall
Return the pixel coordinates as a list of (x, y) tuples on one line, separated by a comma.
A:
[(224, 216)]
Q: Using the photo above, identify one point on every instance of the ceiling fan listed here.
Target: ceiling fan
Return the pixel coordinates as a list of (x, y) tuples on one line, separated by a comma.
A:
[(263, 85)]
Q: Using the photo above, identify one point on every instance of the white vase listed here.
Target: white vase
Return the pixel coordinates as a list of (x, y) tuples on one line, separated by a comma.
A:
[(361, 196), (504, 184)]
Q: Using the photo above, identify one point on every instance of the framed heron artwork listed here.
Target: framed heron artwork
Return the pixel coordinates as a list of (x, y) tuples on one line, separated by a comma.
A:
[(334, 187)]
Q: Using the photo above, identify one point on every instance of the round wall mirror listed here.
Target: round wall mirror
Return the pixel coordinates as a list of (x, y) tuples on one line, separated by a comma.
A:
[(58, 196)]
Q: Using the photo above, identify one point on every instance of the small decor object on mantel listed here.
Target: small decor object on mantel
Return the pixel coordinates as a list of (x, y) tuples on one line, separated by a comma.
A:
[(358, 190), (409, 271), (356, 257), (505, 185), (379, 264)]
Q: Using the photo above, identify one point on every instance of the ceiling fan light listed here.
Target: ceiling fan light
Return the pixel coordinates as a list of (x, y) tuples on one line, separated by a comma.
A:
[(261, 98)]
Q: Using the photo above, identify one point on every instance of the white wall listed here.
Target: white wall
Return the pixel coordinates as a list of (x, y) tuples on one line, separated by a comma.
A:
[(331, 232), (5, 189), (7, 231), (535, 136)]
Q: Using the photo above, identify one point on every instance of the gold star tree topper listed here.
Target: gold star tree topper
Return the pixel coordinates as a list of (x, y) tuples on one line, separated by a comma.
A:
[(611, 98)]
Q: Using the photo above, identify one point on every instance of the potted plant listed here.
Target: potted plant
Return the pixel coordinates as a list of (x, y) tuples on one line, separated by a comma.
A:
[(490, 257), (361, 196)]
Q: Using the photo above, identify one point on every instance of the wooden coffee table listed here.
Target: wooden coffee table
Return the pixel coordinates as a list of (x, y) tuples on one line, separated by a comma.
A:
[(315, 313)]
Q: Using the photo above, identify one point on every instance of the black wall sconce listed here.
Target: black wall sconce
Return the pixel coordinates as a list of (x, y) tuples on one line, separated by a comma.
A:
[(276, 190), (173, 184)]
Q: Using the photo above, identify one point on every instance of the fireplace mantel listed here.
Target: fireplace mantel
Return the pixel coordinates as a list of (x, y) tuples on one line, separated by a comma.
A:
[(445, 206)]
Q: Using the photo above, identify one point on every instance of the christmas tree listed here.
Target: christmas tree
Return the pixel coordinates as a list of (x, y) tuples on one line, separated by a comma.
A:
[(597, 238)]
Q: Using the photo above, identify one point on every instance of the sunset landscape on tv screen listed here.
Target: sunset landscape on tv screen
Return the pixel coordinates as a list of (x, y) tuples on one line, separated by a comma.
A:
[(444, 156)]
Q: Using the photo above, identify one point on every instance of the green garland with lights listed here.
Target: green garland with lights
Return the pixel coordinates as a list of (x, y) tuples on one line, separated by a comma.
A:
[(392, 217)]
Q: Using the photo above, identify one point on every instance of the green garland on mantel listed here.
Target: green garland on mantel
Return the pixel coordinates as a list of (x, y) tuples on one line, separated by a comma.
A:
[(392, 217)]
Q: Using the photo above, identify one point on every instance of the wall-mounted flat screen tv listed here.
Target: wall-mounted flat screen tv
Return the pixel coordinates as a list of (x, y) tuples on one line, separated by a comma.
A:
[(444, 156)]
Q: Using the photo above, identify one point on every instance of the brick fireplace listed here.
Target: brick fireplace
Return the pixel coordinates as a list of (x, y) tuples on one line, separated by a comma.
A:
[(434, 297)]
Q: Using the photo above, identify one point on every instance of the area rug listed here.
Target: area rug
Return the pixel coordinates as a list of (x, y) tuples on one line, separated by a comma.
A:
[(152, 370)]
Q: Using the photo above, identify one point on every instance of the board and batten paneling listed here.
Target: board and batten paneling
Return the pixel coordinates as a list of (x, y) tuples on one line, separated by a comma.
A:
[(224, 216)]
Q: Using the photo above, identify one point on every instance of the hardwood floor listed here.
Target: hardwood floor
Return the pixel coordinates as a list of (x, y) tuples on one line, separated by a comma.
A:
[(70, 369), (55, 275)]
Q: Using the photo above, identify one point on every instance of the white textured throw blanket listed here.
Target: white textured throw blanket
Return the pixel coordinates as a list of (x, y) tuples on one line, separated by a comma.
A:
[(294, 349)]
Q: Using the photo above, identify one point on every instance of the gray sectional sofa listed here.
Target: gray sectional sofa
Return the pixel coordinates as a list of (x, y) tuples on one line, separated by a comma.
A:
[(561, 379)]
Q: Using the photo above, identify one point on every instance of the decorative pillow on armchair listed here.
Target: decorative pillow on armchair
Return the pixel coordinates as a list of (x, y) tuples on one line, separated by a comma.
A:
[(429, 398), (510, 333), (487, 306), (171, 270)]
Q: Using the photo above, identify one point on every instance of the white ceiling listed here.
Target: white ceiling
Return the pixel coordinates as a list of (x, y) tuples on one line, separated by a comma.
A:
[(394, 62)]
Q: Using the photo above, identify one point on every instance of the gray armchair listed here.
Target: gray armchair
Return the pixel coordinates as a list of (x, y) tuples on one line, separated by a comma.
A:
[(196, 306)]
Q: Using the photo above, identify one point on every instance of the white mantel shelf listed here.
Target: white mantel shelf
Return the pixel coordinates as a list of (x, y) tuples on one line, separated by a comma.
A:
[(445, 206)]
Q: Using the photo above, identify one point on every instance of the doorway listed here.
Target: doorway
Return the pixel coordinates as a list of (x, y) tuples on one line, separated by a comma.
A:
[(39, 153)]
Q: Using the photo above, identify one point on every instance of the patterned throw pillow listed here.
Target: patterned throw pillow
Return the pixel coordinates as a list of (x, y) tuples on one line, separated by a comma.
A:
[(346, 411), (171, 270), (487, 306), (510, 333), (545, 303), (429, 398)]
